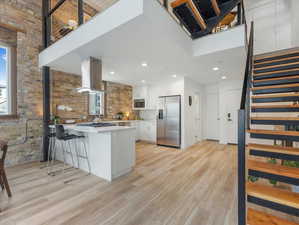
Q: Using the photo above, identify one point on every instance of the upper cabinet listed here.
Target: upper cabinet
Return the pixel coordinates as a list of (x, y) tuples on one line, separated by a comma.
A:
[(140, 92), (142, 99)]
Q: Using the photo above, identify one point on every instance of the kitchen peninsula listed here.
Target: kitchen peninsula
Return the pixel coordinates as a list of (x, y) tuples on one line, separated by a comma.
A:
[(111, 149)]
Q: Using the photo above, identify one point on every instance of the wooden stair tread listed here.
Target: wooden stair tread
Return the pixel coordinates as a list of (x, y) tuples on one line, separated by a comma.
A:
[(277, 60), (274, 106), (197, 15), (276, 78), (255, 217), (276, 118), (274, 132), (277, 66), (275, 86), (273, 169), (274, 72), (274, 148), (272, 194), (276, 54), (276, 95)]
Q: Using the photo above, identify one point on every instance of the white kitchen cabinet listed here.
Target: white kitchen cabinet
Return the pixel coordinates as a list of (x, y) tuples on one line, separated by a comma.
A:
[(135, 124), (147, 130), (140, 92)]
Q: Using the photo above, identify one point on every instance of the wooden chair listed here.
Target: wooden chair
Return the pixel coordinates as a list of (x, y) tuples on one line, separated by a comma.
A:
[(3, 179)]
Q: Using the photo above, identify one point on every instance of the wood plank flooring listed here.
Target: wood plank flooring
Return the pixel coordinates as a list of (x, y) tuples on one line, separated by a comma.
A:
[(167, 187)]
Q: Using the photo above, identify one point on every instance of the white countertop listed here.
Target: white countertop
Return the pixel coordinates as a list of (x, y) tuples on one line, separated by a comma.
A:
[(97, 129)]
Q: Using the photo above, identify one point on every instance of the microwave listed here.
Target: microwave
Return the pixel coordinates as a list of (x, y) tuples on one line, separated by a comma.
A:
[(139, 103)]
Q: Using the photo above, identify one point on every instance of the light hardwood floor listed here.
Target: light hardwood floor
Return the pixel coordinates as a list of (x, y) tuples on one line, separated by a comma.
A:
[(167, 187)]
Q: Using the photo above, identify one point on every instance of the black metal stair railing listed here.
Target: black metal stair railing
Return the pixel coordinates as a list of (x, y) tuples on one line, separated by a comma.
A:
[(243, 125)]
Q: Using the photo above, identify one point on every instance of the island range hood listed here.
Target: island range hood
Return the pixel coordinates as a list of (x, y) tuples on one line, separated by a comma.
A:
[(91, 70)]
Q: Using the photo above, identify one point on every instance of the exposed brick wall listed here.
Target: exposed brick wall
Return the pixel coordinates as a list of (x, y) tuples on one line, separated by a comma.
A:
[(63, 92), (25, 15), (118, 97)]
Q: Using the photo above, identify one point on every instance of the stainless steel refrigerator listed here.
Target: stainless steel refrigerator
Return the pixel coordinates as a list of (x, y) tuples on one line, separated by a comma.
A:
[(169, 121)]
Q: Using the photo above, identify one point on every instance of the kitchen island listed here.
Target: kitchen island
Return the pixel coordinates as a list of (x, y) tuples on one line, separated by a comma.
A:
[(111, 150)]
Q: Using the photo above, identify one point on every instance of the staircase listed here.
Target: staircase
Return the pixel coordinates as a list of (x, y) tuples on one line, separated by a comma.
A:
[(200, 17), (271, 86)]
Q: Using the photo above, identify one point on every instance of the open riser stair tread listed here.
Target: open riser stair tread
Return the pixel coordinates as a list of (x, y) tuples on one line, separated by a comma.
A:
[(274, 148), (274, 134), (275, 120), (274, 74), (273, 171), (274, 68), (272, 194), (283, 88), (276, 81), (277, 56), (275, 108), (255, 217), (274, 152), (278, 62), (285, 97)]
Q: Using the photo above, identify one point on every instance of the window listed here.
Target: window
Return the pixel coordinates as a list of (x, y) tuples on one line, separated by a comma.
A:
[(5, 96), (97, 104)]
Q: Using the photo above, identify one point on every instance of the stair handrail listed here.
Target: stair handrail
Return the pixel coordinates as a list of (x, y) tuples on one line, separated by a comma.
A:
[(243, 125), (248, 68)]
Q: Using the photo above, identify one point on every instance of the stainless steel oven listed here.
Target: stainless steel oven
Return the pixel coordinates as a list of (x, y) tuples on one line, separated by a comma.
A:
[(139, 103)]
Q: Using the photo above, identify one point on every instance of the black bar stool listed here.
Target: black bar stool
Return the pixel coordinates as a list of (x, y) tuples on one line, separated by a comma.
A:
[(65, 140)]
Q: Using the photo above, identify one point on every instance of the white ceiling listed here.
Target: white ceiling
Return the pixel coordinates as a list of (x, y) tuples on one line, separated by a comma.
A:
[(157, 39)]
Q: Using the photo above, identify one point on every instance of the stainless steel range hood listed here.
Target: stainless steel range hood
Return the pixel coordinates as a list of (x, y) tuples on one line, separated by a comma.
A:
[(91, 69)]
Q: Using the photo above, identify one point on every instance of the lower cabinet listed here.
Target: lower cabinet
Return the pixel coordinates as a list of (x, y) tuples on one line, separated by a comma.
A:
[(147, 130)]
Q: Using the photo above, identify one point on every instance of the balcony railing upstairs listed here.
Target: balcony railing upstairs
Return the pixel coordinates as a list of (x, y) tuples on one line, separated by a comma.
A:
[(64, 16)]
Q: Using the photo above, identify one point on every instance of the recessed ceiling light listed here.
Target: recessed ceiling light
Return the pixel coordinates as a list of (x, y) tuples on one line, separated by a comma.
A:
[(174, 75), (223, 77), (215, 68), (143, 81), (112, 72), (144, 64)]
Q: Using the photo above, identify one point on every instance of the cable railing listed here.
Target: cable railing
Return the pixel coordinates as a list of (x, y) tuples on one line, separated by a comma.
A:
[(243, 125), (64, 16)]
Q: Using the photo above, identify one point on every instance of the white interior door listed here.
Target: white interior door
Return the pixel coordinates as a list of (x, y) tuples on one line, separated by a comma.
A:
[(196, 116), (212, 122), (233, 97)]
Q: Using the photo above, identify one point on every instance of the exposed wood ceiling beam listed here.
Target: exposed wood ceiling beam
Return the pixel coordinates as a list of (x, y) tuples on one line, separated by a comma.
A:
[(190, 4), (216, 7)]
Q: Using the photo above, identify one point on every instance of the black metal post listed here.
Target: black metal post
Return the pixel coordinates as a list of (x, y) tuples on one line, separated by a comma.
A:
[(239, 14), (80, 12), (46, 23), (241, 168), (165, 3)]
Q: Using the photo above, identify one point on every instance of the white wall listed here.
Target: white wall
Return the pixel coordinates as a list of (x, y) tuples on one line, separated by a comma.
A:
[(192, 89), (221, 88), (272, 20), (229, 39), (295, 23)]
